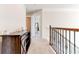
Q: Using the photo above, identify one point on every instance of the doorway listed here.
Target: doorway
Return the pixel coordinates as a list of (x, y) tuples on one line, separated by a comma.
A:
[(35, 27), (28, 24)]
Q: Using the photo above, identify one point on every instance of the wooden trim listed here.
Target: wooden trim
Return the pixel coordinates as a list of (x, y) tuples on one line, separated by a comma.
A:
[(71, 29)]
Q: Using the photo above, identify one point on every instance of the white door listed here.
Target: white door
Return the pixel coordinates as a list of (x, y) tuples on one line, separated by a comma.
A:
[(32, 26), (35, 27)]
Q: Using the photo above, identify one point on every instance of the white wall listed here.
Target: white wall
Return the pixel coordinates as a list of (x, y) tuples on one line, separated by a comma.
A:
[(12, 17), (61, 17)]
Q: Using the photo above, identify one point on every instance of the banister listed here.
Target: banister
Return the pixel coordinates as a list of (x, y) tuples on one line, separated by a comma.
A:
[(61, 42), (71, 29)]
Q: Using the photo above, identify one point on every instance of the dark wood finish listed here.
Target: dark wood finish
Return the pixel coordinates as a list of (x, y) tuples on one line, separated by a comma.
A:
[(71, 29), (11, 44)]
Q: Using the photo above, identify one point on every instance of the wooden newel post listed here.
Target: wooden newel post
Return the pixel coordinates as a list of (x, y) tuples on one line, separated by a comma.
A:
[(50, 34)]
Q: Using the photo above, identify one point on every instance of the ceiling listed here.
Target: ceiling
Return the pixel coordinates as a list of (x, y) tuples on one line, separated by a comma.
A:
[(34, 7)]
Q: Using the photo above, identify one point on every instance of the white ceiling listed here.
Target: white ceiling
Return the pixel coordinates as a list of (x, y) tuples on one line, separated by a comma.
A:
[(33, 7)]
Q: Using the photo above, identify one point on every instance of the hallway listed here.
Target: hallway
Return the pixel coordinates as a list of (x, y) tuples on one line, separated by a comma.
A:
[(40, 47)]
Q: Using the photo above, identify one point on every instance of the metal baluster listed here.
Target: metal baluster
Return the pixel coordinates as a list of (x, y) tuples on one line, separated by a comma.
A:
[(69, 42), (65, 41), (52, 38), (55, 39), (74, 44), (56, 42), (60, 41), (50, 34)]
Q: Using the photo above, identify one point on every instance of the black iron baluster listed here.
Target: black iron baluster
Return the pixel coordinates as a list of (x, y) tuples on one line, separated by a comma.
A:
[(50, 34), (74, 43), (69, 42), (57, 41), (52, 37), (54, 40), (65, 41), (60, 41)]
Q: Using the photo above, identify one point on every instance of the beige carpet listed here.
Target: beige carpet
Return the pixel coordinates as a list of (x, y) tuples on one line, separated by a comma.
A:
[(40, 46)]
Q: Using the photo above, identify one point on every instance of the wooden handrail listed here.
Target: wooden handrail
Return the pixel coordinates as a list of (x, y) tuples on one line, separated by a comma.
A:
[(71, 29)]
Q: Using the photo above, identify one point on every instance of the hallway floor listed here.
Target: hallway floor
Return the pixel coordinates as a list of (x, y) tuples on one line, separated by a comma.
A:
[(40, 47)]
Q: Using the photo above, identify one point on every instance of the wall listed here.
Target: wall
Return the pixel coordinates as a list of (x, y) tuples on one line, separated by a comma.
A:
[(61, 17), (12, 17)]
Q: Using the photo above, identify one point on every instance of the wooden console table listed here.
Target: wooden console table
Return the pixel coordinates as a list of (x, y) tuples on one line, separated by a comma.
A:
[(11, 44)]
